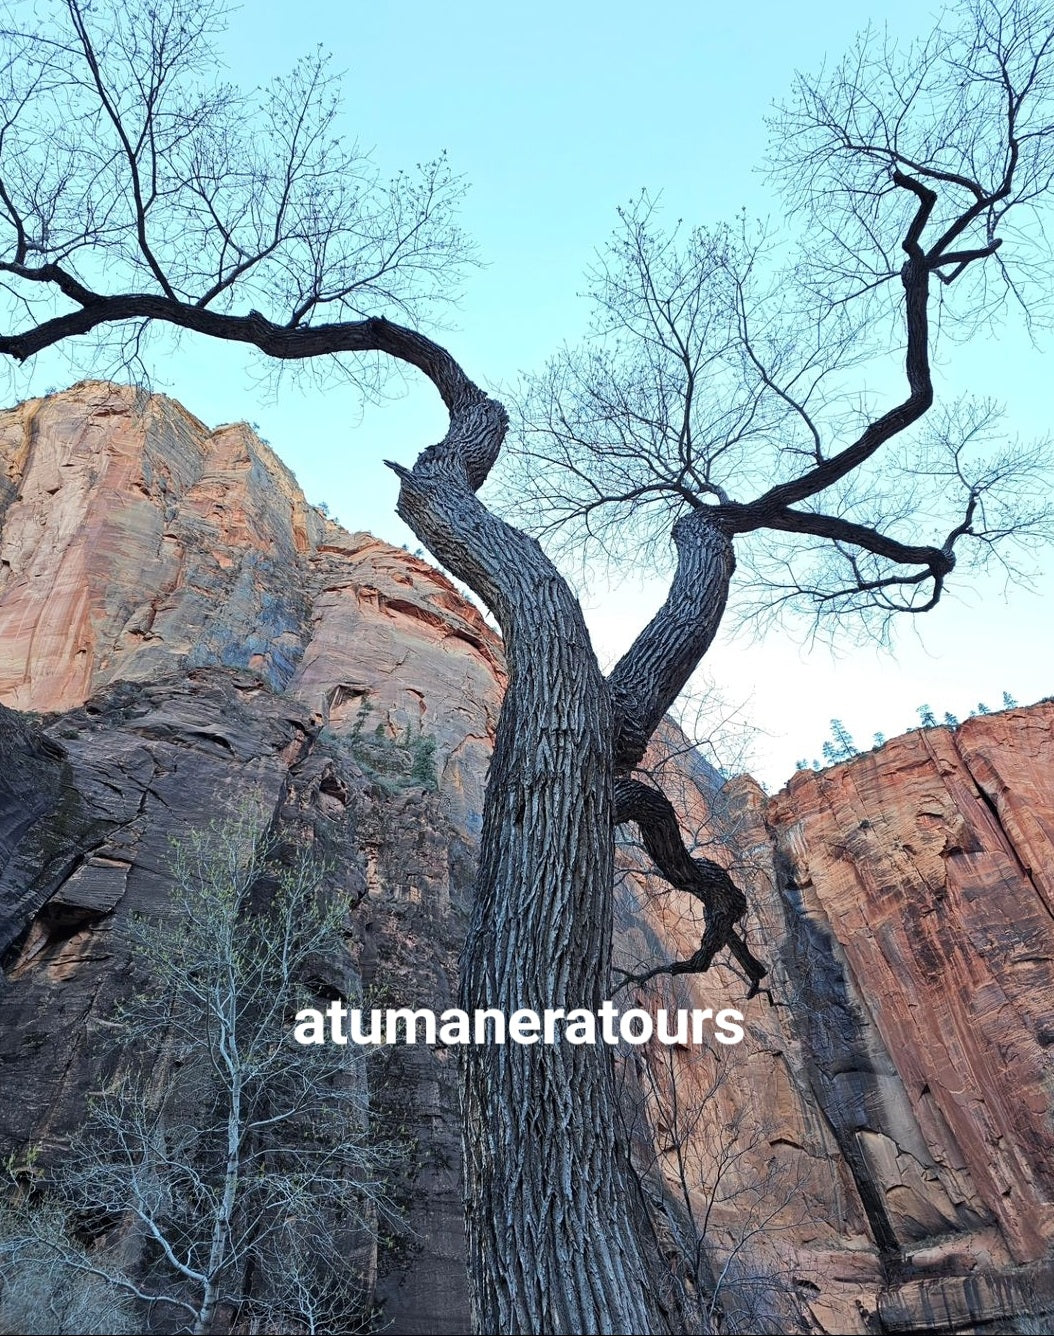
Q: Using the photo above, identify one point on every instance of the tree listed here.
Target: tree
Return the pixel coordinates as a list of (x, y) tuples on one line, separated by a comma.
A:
[(719, 1189), (43, 1293), (242, 1164), (840, 746), (716, 414), (842, 738)]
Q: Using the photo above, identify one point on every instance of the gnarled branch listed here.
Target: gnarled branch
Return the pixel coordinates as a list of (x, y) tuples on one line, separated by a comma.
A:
[(723, 902), (652, 673)]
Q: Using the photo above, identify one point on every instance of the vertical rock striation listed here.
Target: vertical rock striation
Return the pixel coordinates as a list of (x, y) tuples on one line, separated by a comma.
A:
[(927, 865), (894, 1091)]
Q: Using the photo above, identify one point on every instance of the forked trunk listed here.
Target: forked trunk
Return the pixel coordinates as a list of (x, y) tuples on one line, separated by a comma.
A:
[(552, 1244), (553, 1225)]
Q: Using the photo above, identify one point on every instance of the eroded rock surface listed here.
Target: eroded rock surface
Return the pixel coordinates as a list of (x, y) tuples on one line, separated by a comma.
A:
[(894, 1092), (927, 866), (116, 781), (135, 542), (187, 636)]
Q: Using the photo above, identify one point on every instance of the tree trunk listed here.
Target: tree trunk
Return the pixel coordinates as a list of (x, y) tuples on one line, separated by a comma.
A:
[(552, 1242), (221, 1225)]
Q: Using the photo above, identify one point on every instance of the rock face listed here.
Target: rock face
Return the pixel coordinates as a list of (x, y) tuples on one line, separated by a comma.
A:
[(198, 638), (894, 1091), (926, 870), (113, 783), (135, 542), (181, 634)]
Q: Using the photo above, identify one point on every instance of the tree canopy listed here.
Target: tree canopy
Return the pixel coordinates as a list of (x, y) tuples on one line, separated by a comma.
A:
[(733, 367)]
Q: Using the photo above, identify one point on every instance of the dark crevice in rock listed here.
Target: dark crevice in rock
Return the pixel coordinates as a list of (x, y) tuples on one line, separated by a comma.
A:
[(838, 1063)]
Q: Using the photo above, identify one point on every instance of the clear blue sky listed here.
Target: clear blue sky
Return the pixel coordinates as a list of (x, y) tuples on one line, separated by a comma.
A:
[(555, 114)]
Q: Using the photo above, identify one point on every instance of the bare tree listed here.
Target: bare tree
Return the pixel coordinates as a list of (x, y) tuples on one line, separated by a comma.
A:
[(728, 1200), (129, 196), (128, 162), (224, 1168), (41, 1292)]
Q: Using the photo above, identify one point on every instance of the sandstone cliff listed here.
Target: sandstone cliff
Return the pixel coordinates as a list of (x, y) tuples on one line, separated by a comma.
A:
[(894, 1092), (196, 636), (135, 542), (875, 1155)]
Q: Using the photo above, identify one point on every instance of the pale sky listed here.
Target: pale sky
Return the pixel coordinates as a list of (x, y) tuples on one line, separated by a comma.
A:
[(556, 114)]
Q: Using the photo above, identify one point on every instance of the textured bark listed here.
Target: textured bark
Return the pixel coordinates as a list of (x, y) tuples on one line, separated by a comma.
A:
[(644, 684), (651, 674), (553, 1248), (552, 1243)]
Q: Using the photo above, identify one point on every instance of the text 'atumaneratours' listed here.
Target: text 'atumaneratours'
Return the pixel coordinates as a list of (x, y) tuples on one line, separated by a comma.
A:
[(340, 1024)]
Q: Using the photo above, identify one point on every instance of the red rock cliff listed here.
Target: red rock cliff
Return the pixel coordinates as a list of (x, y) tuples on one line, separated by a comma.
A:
[(894, 1093), (197, 638), (928, 866), (134, 542)]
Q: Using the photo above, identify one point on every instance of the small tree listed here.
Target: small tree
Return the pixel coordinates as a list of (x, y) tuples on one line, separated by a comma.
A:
[(843, 739), (49, 1286), (238, 1172), (840, 746)]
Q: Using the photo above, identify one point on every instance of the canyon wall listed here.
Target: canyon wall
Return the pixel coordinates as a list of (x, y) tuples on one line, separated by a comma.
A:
[(894, 1092), (180, 633), (184, 636)]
